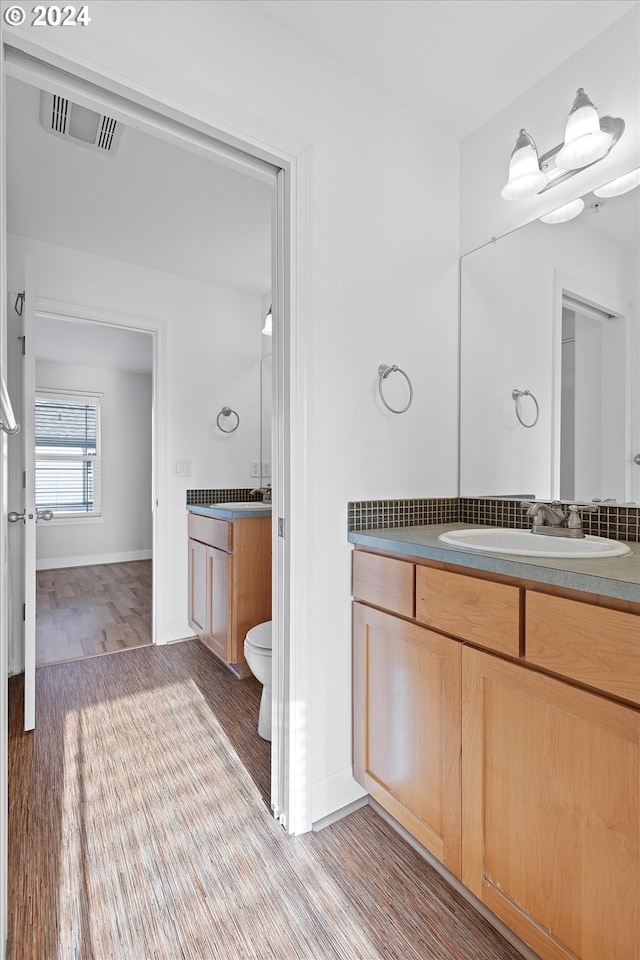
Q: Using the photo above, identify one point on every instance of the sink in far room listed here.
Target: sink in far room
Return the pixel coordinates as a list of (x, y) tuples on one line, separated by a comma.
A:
[(247, 506), (523, 543)]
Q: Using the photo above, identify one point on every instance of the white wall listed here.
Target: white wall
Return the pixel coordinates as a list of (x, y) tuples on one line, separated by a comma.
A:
[(607, 68), (213, 360), (384, 247), (124, 531)]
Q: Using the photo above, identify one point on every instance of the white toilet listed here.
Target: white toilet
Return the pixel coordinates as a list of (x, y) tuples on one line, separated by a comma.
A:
[(257, 653)]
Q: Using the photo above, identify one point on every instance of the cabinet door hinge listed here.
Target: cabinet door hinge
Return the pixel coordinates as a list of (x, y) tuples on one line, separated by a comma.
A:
[(281, 527), (24, 611), (23, 342), (24, 479)]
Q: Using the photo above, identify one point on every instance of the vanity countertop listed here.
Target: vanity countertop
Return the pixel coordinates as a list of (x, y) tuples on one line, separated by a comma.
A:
[(232, 511), (617, 577)]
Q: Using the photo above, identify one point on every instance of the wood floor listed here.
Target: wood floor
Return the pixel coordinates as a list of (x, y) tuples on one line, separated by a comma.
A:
[(140, 829), (88, 611)]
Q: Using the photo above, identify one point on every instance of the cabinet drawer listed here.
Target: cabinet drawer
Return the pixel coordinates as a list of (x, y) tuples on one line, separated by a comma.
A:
[(384, 582), (209, 530), (590, 644), (477, 610)]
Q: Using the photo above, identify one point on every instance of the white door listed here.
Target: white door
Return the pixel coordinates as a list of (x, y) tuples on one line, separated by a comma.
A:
[(26, 518)]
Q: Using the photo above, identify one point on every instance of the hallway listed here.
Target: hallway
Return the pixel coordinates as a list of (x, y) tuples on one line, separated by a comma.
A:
[(140, 829)]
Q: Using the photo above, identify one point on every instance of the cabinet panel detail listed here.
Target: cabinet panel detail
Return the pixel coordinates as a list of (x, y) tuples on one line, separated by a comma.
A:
[(473, 609), (197, 587), (384, 581), (551, 825), (213, 532), (407, 727), (587, 643)]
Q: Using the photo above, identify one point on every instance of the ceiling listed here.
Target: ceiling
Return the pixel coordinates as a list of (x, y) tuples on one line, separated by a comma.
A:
[(149, 203), (154, 205), (456, 62)]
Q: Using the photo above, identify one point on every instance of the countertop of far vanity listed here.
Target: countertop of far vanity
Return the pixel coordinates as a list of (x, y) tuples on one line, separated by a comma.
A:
[(231, 511), (617, 577)]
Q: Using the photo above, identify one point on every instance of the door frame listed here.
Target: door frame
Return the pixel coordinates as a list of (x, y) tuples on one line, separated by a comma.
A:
[(59, 310), (87, 82)]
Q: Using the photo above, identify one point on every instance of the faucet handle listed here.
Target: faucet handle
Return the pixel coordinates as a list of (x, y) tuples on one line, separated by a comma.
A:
[(575, 511)]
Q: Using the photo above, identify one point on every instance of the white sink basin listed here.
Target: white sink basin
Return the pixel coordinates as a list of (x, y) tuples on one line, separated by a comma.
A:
[(523, 543)]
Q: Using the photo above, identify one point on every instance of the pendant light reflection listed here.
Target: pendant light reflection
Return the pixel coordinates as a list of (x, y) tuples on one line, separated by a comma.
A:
[(584, 141), (564, 213), (615, 188), (525, 176), (268, 323)]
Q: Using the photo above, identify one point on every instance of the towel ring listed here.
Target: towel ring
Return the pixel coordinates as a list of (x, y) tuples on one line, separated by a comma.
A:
[(228, 412), (517, 394), (383, 372)]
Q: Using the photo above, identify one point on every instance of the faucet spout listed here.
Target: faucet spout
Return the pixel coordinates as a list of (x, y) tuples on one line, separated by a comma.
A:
[(553, 515)]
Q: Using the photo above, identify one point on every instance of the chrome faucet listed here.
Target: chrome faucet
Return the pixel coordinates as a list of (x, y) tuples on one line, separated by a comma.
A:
[(265, 491), (554, 521)]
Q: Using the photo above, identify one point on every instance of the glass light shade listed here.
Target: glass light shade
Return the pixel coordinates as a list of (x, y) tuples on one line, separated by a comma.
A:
[(567, 212), (584, 141), (268, 324), (623, 184), (525, 175)]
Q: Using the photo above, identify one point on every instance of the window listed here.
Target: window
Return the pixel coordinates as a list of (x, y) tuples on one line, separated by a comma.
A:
[(67, 431)]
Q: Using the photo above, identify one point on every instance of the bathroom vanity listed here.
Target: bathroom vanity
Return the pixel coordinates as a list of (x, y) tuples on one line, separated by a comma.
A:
[(497, 719), (229, 576)]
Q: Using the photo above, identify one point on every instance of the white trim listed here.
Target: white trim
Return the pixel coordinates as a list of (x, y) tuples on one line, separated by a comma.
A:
[(291, 383), (336, 792), (61, 563), (4, 509)]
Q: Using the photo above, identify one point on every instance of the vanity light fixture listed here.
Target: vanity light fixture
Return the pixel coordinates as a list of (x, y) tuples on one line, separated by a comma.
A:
[(525, 176), (615, 188), (587, 140), (268, 323), (564, 213)]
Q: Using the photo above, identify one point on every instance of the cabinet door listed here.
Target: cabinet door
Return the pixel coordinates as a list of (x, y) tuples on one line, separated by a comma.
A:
[(550, 820), (219, 601), (198, 604), (407, 727)]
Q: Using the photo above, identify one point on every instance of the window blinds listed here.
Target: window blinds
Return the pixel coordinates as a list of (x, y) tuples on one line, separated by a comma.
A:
[(67, 432)]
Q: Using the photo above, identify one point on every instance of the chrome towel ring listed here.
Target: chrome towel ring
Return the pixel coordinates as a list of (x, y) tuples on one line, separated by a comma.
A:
[(228, 412), (383, 372), (517, 394)]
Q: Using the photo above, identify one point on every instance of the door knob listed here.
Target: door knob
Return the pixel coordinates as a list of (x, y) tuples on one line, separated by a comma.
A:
[(44, 514), (636, 459), (13, 517)]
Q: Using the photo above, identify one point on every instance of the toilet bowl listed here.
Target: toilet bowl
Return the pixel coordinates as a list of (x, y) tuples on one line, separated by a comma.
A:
[(257, 653)]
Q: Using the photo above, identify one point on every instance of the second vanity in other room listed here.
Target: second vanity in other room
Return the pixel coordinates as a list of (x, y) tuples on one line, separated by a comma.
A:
[(497, 720), (229, 576)]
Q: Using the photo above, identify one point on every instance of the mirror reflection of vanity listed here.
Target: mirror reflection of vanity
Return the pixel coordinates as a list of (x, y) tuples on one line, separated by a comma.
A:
[(552, 309)]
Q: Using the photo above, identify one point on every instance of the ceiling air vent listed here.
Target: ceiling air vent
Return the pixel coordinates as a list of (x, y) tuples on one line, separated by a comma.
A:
[(73, 122)]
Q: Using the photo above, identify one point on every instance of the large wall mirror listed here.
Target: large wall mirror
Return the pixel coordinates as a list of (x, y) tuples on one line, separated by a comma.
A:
[(551, 312)]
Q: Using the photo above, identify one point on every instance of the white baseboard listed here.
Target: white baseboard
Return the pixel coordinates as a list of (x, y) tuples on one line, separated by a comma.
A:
[(58, 563), (333, 793)]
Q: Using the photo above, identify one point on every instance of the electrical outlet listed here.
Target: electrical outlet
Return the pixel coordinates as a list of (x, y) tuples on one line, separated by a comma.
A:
[(266, 468), (255, 469)]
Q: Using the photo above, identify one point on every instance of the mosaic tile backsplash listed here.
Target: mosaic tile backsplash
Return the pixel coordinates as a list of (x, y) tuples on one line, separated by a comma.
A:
[(617, 523), (200, 498)]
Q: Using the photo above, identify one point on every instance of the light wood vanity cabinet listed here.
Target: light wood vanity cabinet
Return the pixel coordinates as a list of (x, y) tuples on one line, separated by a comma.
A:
[(229, 583), (550, 822), (407, 726), (545, 814)]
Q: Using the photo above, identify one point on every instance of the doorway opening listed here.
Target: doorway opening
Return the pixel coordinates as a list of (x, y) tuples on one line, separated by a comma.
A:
[(94, 474)]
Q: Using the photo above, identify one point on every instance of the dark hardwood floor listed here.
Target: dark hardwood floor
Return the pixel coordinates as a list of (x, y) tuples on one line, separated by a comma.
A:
[(140, 829), (87, 611)]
